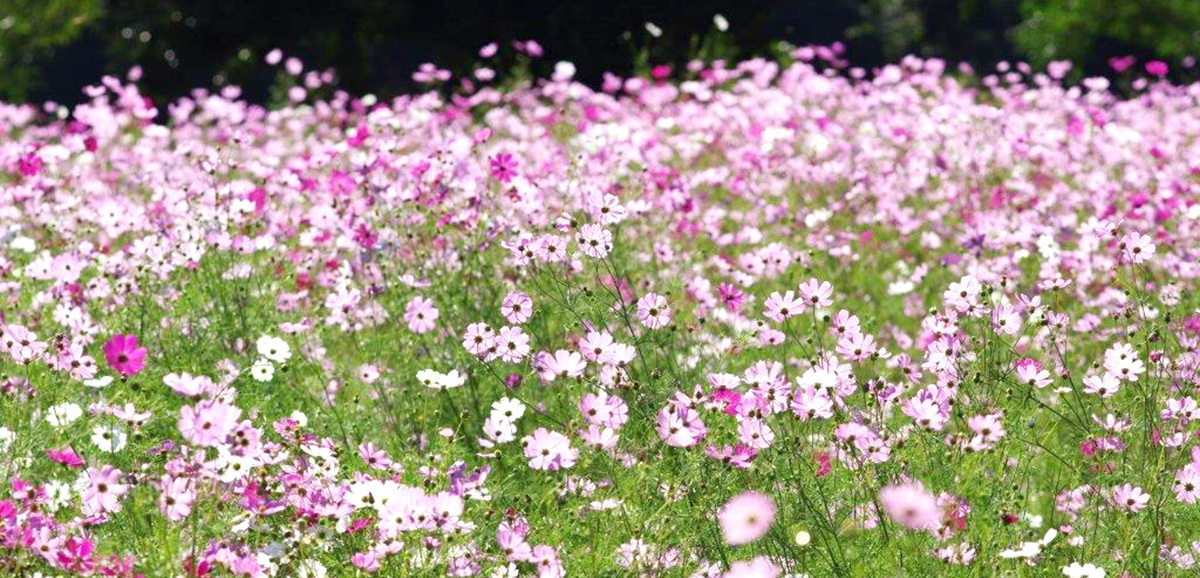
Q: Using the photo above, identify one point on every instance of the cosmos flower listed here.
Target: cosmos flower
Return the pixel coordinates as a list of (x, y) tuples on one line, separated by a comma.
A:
[(911, 505), (745, 518), (653, 312), (207, 423), (548, 450), (421, 315), (124, 355), (1130, 497)]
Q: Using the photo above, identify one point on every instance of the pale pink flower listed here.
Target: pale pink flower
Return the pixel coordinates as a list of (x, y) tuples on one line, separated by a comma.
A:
[(421, 315), (746, 517)]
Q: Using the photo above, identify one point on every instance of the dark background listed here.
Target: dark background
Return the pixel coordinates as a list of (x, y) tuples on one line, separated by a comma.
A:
[(49, 49)]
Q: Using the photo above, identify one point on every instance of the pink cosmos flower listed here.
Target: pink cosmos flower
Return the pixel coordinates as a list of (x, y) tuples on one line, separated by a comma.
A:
[(596, 345), (77, 555), (824, 464), (746, 517), (1120, 64), (1031, 372), (760, 567), (731, 297), (912, 506), (1121, 361), (816, 293), (1104, 385), (653, 311), (504, 167), (563, 364), (856, 346), (549, 450), (124, 355), (755, 433), (207, 423), (374, 457), (812, 403), (22, 344), (478, 339), (421, 315), (188, 385), (963, 294), (595, 241), (30, 165), (1006, 319), (1136, 247), (781, 307), (512, 344), (104, 491), (1187, 484), (1130, 497), (367, 561), (989, 428), (546, 559), (517, 308), (66, 457), (740, 456), (600, 437), (175, 497), (680, 427)]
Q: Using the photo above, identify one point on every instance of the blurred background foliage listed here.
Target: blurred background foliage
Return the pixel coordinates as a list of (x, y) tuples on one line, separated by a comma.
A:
[(50, 48)]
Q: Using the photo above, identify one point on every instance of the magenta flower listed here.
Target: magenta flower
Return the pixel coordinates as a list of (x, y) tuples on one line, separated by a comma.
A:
[(30, 165), (504, 167), (124, 355), (731, 297), (66, 457), (76, 555)]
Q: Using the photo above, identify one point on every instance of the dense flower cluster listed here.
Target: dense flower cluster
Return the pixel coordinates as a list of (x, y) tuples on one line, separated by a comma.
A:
[(755, 319)]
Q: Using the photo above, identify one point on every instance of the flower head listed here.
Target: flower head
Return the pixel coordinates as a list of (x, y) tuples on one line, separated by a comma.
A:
[(124, 355)]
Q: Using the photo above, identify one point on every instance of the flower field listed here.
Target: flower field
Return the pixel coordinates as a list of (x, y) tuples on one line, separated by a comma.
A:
[(754, 319)]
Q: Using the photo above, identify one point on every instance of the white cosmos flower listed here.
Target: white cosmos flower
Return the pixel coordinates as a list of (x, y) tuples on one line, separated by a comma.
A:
[(232, 468), (500, 431), (63, 414), (430, 378), (6, 439), (300, 418), (818, 378), (507, 409), (509, 571), (1030, 549), (311, 569), (109, 438), (274, 348), (99, 382), (58, 494), (437, 380), (453, 379), (23, 244), (262, 370), (1077, 570)]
